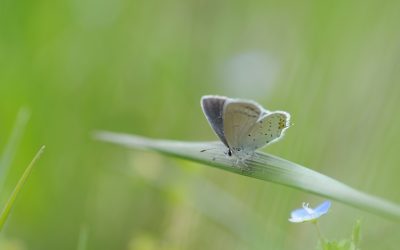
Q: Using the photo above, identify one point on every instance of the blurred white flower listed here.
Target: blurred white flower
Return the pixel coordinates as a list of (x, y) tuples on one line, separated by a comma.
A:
[(250, 74)]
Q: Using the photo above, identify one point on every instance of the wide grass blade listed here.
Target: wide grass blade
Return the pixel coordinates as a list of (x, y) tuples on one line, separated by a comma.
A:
[(262, 166), (7, 208)]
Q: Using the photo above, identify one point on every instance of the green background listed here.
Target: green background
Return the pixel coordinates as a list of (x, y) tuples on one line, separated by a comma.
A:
[(142, 66)]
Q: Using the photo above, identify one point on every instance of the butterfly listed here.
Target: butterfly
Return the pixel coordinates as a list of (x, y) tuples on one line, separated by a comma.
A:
[(243, 125)]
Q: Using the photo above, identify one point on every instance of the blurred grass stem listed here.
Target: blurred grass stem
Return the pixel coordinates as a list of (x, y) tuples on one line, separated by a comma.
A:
[(7, 208), (12, 144)]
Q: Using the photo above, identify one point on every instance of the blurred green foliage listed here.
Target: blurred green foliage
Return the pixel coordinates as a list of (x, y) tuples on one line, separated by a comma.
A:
[(142, 66)]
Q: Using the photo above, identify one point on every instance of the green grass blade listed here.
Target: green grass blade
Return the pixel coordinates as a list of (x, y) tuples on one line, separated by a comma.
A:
[(12, 144), (7, 208), (262, 166)]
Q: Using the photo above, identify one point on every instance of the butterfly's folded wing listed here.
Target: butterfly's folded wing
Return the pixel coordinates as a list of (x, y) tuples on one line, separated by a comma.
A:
[(213, 107), (269, 128), (243, 125), (239, 118)]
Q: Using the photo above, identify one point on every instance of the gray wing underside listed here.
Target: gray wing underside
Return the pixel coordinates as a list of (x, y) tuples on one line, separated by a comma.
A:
[(213, 107), (239, 118), (268, 129)]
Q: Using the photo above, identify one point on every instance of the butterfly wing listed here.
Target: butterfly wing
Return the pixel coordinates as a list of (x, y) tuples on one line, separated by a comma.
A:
[(268, 129), (238, 118), (213, 107)]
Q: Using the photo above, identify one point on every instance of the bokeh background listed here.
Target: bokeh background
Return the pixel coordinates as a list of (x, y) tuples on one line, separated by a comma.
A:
[(141, 67)]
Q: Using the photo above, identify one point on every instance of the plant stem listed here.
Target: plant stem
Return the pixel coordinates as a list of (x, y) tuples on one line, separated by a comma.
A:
[(320, 235)]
